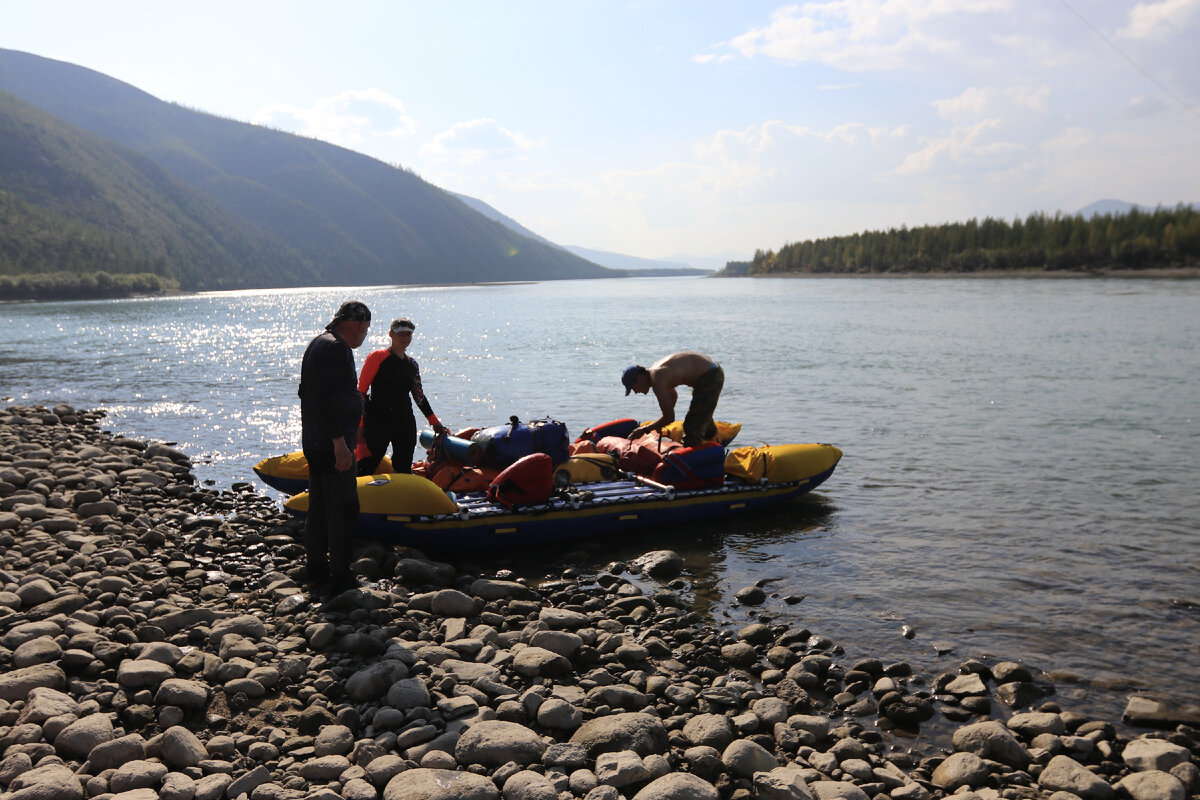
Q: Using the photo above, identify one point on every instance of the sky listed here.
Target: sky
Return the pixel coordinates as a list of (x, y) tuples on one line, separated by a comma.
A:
[(659, 128)]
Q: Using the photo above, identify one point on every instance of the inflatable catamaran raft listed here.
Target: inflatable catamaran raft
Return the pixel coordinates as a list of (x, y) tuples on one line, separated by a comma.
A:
[(518, 485)]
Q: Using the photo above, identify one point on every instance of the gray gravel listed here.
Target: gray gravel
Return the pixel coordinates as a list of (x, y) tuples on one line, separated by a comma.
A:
[(157, 641)]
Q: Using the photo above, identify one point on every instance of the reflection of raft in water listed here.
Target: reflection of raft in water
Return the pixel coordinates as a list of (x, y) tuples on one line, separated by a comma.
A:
[(413, 511)]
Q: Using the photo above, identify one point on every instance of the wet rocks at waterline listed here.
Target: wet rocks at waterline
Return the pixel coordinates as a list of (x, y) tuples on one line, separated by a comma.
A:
[(155, 642)]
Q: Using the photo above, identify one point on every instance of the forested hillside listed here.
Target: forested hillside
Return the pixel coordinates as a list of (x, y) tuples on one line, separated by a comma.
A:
[(1137, 240), (356, 220), (74, 203)]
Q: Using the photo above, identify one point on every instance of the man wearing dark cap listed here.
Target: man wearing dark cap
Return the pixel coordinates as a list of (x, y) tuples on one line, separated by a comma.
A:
[(330, 407), (698, 371)]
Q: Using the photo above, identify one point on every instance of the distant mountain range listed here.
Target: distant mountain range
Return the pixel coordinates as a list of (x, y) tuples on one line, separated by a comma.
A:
[(604, 258), (1109, 207), (216, 203)]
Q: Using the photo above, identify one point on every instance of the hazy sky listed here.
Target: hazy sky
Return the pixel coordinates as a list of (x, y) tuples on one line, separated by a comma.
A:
[(711, 128)]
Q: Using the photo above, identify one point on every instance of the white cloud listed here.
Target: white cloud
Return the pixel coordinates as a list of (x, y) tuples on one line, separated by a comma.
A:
[(990, 101), (966, 148), (1158, 20), (1145, 105), (479, 140), (348, 119), (857, 35)]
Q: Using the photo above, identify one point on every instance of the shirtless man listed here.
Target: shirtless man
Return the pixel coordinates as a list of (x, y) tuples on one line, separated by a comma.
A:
[(700, 372)]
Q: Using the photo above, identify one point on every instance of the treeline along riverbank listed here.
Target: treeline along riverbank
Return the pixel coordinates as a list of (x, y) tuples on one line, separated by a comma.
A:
[(155, 642), (1137, 240)]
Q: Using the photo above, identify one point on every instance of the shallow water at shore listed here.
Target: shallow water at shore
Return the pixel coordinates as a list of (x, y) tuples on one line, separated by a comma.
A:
[(1020, 455)]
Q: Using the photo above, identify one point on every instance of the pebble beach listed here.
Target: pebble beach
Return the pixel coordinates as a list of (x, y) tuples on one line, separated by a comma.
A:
[(158, 642)]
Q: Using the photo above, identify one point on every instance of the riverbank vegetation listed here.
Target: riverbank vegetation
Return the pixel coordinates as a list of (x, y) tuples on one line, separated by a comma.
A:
[(83, 285), (1136, 240), (44, 256)]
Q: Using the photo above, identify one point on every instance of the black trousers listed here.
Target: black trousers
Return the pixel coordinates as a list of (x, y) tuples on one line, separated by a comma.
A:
[(383, 428), (698, 425), (332, 516)]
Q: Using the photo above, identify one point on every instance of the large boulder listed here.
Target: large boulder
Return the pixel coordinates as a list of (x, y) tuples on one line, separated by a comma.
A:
[(77, 739), (634, 731), (440, 784), (960, 769), (494, 743), (992, 740), (678, 786), (1064, 774), (17, 684), (714, 730), (1147, 754)]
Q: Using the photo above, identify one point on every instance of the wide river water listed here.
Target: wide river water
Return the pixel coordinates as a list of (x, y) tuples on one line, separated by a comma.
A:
[(1021, 455)]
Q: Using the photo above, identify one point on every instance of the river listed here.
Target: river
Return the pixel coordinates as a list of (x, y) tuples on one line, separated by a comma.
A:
[(1021, 455)]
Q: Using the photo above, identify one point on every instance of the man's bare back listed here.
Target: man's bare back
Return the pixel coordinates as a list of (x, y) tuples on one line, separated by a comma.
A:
[(677, 369)]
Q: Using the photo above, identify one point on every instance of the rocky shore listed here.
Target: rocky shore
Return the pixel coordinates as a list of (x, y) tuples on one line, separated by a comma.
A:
[(157, 642)]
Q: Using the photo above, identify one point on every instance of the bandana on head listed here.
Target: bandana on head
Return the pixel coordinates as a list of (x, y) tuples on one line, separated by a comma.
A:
[(350, 311)]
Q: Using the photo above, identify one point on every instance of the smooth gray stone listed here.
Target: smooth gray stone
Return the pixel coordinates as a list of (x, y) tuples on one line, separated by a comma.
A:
[(17, 684), (493, 743), (334, 740), (782, 783), (529, 785), (1032, 723), (967, 685), (142, 774), (1154, 754), (43, 703), (77, 739), (621, 769), (42, 650), (992, 740), (744, 758), (534, 662), (660, 563), (1066, 775), (324, 769), (26, 631), (836, 790), (245, 784), (181, 692), (181, 748), (713, 730), (440, 784), (408, 693), (562, 618), (136, 674), (453, 603), (491, 589), (1152, 785), (678, 786), (960, 769), (559, 715), (51, 782), (383, 769), (112, 754), (642, 733), (564, 643), (1147, 712)]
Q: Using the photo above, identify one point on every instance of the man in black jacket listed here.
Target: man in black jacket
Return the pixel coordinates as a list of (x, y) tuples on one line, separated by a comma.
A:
[(330, 407)]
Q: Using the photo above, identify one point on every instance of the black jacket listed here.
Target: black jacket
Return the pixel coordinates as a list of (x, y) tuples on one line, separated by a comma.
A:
[(330, 404)]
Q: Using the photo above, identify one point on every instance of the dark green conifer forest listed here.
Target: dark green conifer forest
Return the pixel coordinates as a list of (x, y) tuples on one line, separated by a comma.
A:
[(1137, 240)]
